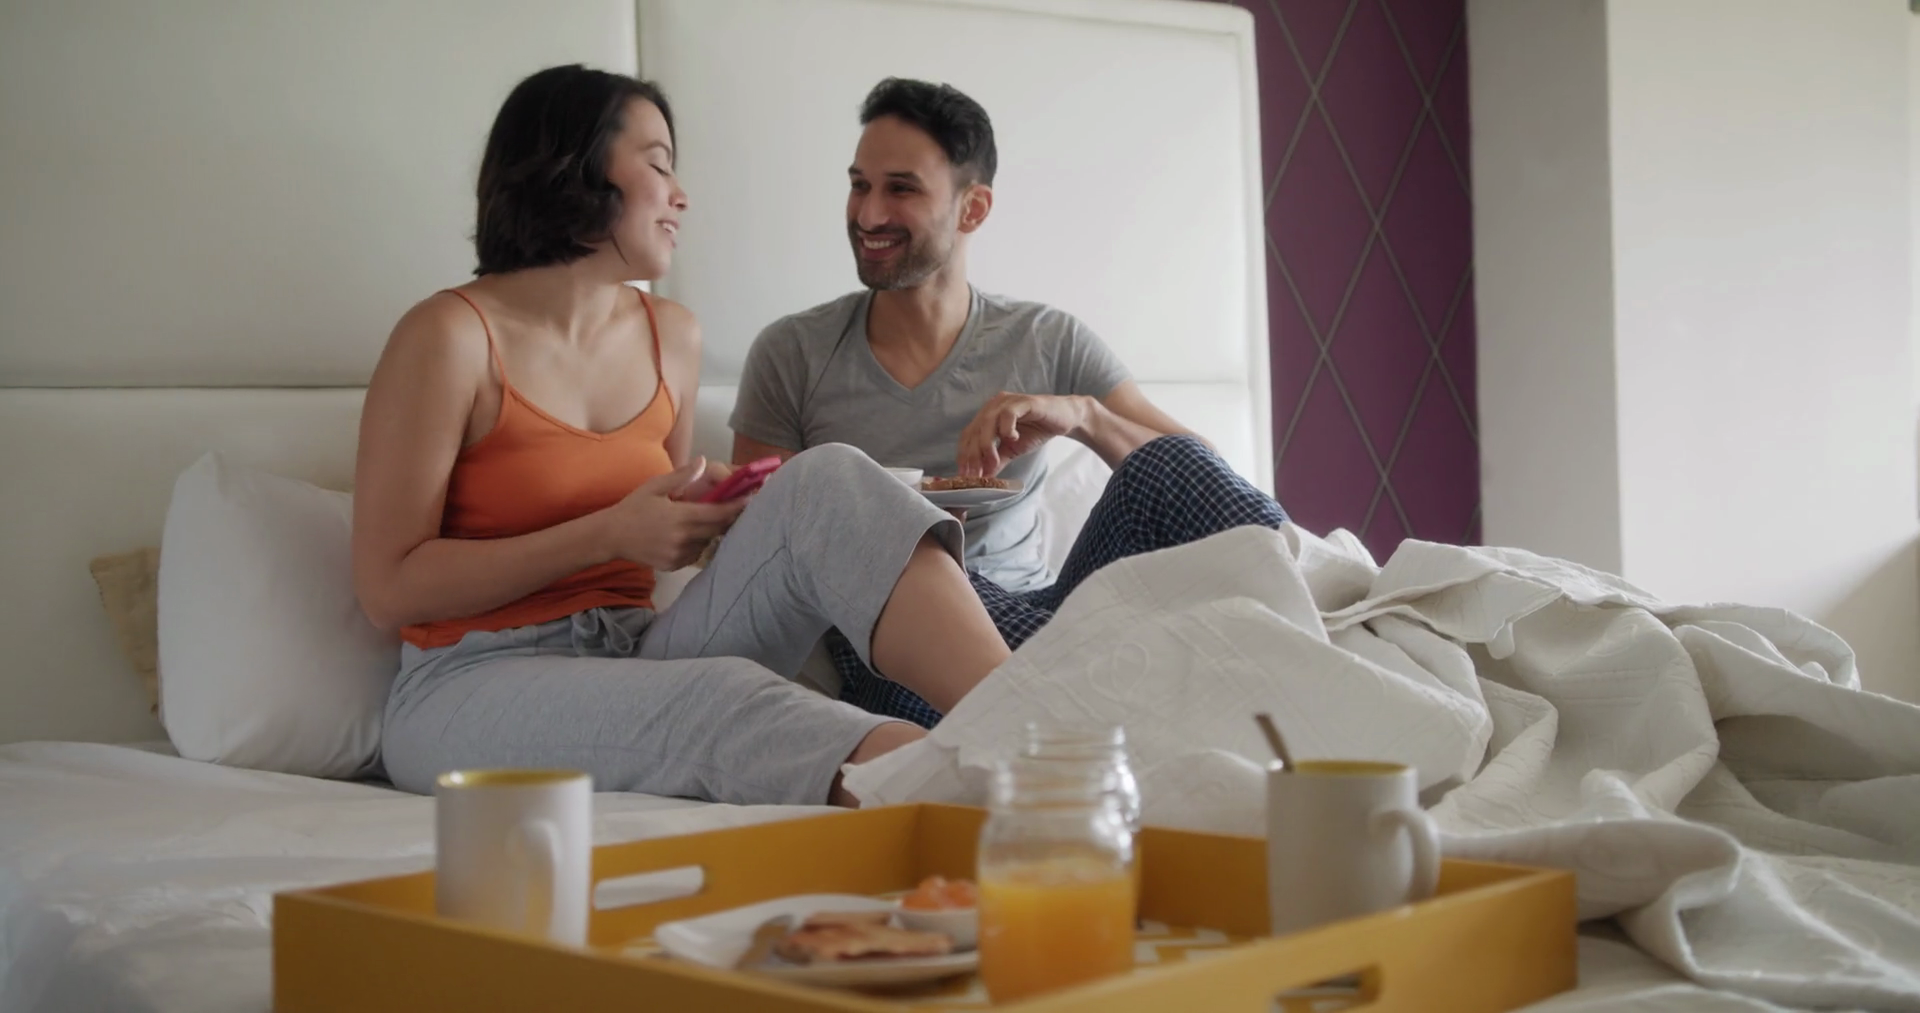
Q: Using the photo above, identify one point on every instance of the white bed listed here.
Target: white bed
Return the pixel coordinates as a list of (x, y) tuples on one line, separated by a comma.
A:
[(213, 214)]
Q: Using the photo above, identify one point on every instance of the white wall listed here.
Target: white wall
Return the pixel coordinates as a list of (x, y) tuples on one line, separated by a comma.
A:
[(1544, 270), (1759, 318), (1762, 298), (220, 193)]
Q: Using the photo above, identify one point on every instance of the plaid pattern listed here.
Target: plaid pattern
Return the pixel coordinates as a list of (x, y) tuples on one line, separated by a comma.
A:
[(1169, 492)]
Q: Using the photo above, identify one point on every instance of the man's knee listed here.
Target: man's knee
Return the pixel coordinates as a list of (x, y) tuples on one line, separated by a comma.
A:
[(1179, 463), (1175, 452)]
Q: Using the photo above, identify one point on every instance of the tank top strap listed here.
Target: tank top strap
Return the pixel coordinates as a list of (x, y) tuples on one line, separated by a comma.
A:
[(659, 361), (493, 348)]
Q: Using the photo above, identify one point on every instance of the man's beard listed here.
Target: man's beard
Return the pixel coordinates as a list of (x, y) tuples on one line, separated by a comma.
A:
[(909, 268)]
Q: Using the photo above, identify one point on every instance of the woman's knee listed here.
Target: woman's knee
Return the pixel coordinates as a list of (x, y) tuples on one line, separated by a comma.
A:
[(828, 474), (829, 463)]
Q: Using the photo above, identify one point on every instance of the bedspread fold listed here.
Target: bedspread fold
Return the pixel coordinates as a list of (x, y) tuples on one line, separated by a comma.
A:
[(1723, 788)]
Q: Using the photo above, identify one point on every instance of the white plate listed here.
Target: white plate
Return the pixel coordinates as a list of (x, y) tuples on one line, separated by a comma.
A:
[(971, 497), (889, 971), (721, 938)]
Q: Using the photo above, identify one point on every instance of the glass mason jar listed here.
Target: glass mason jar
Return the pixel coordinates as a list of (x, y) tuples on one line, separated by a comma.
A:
[(1055, 875), (1102, 745)]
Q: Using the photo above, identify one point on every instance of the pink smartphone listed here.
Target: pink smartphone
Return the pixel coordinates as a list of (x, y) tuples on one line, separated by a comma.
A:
[(744, 480)]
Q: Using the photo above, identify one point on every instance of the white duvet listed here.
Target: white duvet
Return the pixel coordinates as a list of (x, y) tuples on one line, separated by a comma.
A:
[(1728, 796)]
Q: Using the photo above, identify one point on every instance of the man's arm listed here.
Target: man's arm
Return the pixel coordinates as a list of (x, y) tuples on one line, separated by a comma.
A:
[(767, 404), (1113, 427), (1117, 419), (1124, 421), (745, 449)]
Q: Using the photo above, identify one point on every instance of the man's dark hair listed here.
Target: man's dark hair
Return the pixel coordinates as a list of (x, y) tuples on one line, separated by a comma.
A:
[(944, 113), (543, 191)]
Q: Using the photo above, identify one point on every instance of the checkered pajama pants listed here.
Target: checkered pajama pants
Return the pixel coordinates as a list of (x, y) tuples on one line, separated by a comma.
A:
[(1169, 492)]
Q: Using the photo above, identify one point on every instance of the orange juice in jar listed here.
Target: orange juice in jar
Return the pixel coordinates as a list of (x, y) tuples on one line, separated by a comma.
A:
[(1103, 747), (1056, 882), (1052, 923)]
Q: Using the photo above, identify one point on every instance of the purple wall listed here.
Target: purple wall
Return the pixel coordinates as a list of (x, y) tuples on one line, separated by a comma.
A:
[(1363, 107)]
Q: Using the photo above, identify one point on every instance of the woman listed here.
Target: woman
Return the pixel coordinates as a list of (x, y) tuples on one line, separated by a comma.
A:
[(524, 467)]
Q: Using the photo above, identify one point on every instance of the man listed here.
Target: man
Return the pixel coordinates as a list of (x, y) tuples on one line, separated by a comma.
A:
[(921, 370)]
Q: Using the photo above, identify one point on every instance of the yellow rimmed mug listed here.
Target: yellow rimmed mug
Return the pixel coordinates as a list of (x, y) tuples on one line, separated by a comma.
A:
[(1345, 838), (513, 850)]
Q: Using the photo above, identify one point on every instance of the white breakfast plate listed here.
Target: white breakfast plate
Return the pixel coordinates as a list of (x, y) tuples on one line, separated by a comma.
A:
[(971, 497), (721, 938), (888, 971)]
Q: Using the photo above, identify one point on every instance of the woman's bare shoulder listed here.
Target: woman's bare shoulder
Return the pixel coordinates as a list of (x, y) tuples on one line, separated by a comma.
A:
[(679, 328), (440, 331)]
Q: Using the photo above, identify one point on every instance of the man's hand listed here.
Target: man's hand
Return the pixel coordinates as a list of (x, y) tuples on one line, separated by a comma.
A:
[(1013, 424)]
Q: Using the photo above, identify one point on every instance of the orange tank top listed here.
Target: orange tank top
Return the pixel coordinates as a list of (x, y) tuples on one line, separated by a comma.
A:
[(532, 471)]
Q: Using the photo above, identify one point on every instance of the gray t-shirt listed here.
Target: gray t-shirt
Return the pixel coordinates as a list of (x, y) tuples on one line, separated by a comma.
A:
[(811, 378)]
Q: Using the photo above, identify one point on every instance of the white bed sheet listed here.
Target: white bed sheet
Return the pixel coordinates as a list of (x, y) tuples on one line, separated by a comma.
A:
[(133, 881)]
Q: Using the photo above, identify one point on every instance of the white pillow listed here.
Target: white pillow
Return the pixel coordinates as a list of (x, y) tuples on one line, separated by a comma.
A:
[(269, 662), (1076, 478)]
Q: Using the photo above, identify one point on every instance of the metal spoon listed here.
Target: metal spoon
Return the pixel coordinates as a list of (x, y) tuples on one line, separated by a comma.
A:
[(1273, 739)]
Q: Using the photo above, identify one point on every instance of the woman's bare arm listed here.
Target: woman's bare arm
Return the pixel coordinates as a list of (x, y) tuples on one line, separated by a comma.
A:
[(680, 370), (411, 428)]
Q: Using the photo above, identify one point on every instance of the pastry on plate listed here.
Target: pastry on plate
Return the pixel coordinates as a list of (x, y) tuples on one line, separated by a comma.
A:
[(964, 482), (857, 935)]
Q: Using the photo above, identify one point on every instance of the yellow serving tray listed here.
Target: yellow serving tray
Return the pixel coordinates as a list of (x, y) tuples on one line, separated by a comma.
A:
[(1494, 938)]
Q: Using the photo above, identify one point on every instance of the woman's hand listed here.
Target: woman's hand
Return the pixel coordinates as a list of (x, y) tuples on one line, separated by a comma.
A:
[(715, 474), (1009, 425), (661, 524)]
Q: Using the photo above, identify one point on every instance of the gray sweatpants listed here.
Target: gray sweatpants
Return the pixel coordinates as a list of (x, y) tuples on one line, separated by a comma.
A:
[(696, 701)]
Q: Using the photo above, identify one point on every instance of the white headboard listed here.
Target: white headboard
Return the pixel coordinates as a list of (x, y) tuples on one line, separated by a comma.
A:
[(212, 213)]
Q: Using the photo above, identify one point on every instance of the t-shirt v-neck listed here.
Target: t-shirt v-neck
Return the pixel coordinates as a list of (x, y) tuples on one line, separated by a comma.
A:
[(928, 388)]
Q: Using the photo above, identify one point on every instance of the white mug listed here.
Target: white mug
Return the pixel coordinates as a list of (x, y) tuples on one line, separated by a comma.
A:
[(1345, 838), (513, 850)]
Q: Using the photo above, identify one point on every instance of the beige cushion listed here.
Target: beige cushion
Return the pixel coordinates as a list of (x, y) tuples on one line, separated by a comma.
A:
[(127, 583)]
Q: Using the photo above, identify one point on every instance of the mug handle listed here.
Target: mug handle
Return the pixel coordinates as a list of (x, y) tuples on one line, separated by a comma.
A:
[(1426, 847), (534, 847)]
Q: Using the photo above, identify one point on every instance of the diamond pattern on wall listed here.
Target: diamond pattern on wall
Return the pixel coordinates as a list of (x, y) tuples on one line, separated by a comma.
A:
[(1381, 355), (1363, 108)]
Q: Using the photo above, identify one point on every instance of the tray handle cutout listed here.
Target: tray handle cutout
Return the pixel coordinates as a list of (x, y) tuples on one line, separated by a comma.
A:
[(1339, 994), (648, 887)]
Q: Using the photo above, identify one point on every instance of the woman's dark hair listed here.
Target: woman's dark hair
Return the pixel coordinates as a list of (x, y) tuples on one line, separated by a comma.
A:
[(955, 122), (544, 193)]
